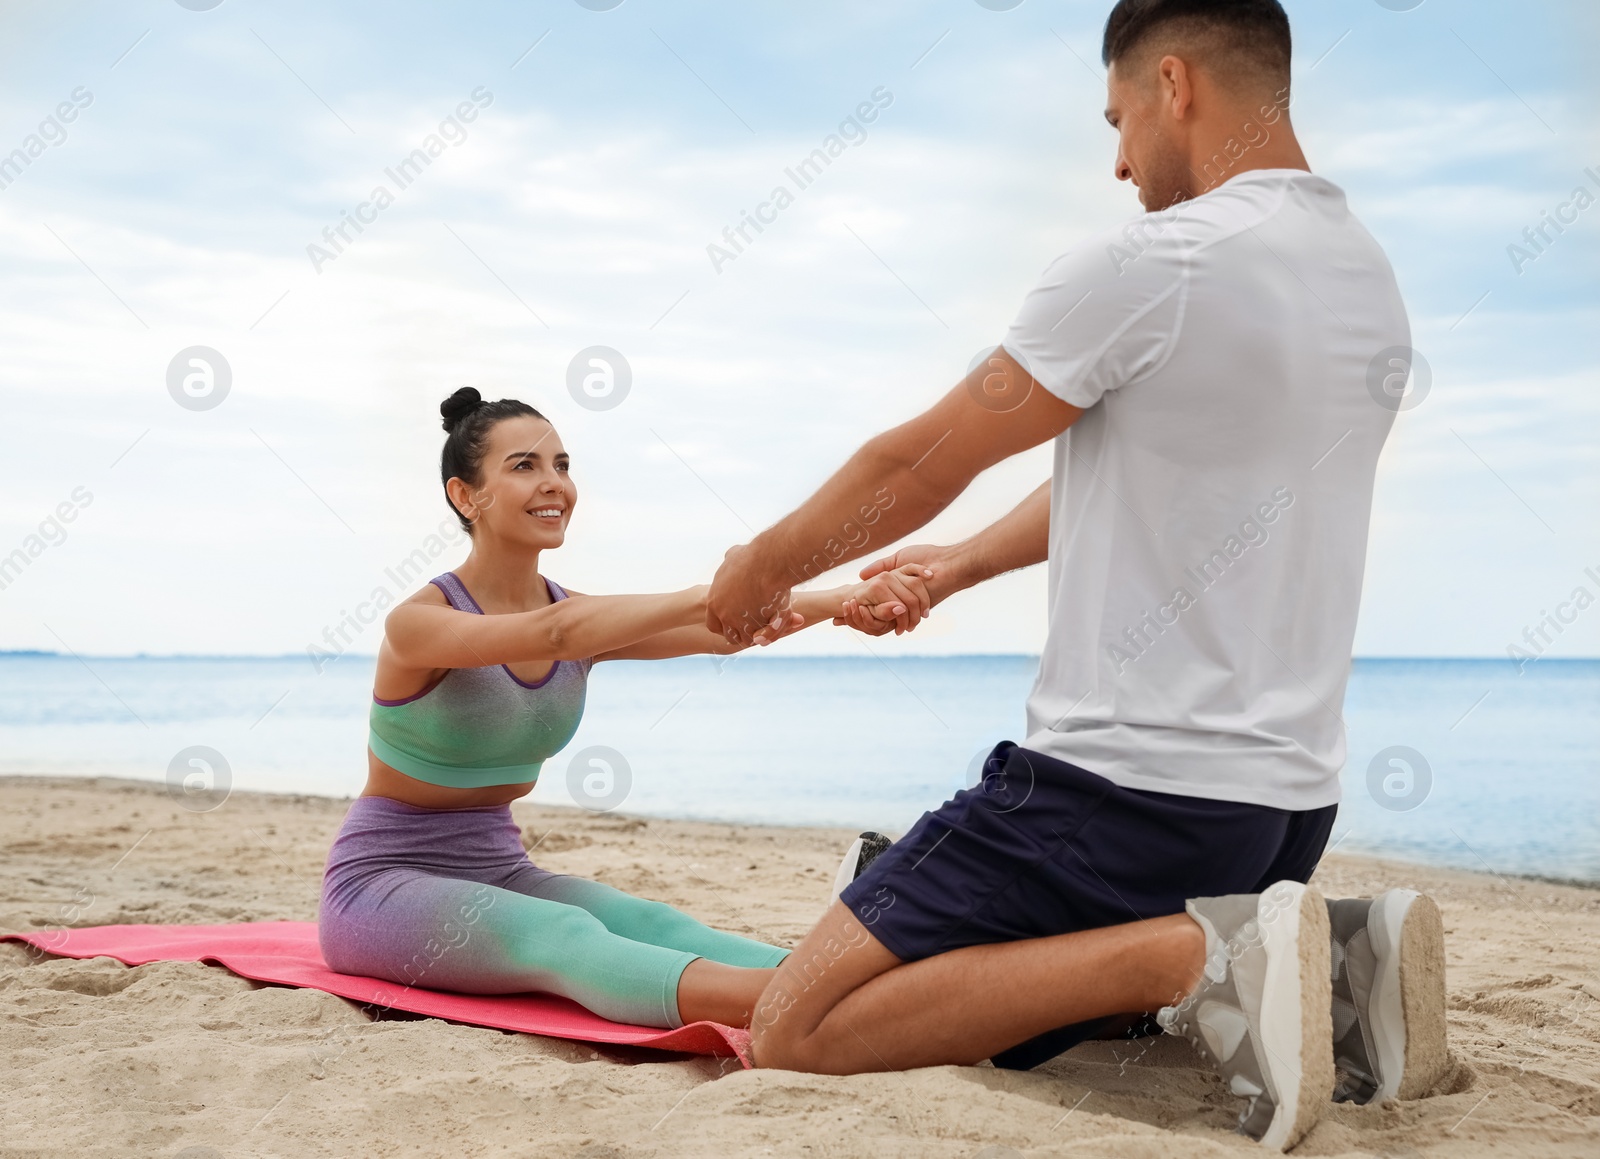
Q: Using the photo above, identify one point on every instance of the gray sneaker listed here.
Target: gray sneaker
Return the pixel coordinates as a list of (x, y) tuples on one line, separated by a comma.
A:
[(1388, 996), (1260, 1013)]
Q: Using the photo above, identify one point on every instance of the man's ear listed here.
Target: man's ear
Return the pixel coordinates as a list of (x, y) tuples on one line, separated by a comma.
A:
[(1177, 88)]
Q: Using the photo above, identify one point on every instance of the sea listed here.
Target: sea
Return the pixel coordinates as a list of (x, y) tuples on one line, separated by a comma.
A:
[(1477, 764)]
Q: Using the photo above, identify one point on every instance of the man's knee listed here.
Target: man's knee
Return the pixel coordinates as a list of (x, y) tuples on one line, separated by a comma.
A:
[(823, 1047), (790, 1027), (776, 1036), (780, 1043)]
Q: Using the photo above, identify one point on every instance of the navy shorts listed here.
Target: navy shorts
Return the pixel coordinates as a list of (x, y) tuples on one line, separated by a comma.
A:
[(1040, 847)]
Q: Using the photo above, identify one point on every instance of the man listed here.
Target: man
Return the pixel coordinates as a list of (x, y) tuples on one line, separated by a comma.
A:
[(1205, 373)]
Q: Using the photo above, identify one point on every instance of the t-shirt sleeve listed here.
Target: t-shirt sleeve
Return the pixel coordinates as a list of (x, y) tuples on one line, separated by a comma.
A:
[(1102, 316)]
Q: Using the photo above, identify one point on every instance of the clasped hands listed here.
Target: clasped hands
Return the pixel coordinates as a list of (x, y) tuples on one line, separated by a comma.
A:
[(896, 593)]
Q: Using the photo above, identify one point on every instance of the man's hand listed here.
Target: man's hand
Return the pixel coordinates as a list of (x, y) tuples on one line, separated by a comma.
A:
[(896, 581), (745, 605), (898, 597), (926, 554)]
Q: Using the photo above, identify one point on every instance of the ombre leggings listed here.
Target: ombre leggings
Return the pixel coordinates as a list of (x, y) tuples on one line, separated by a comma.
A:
[(447, 899)]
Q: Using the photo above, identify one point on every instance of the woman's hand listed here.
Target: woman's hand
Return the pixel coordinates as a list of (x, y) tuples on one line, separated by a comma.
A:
[(895, 595)]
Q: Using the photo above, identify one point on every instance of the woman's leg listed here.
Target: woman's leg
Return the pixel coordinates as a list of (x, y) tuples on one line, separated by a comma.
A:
[(654, 922), (448, 934), (711, 992), (724, 981)]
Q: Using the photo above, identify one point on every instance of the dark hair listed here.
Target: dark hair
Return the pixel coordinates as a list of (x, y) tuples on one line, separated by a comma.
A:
[(1253, 34), (469, 419)]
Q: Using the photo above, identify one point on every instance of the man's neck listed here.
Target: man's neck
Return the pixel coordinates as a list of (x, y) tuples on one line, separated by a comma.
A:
[(1244, 142)]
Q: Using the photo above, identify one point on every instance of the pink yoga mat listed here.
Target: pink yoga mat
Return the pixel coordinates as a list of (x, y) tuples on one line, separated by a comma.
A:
[(287, 953)]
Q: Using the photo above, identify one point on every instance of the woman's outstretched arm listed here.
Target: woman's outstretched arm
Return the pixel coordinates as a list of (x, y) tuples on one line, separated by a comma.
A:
[(908, 599), (425, 635)]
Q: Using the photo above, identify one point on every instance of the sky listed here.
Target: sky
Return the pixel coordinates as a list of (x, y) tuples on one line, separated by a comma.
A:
[(196, 160)]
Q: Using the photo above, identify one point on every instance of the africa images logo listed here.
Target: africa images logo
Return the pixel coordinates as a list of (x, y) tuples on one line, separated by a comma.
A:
[(199, 378), (599, 378)]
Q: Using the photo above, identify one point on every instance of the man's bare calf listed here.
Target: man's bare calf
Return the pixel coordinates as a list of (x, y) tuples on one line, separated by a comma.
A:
[(843, 1004)]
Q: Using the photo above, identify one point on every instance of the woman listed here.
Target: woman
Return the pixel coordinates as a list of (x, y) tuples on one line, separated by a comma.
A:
[(481, 677)]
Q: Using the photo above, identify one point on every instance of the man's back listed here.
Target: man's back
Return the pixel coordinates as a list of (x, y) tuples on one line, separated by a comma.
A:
[(1210, 510)]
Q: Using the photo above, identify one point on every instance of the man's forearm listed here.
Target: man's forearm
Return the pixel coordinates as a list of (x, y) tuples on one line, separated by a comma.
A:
[(889, 488), (874, 499), (1019, 539)]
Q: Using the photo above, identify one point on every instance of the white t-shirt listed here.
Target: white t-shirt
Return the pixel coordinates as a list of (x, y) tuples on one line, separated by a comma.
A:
[(1209, 510)]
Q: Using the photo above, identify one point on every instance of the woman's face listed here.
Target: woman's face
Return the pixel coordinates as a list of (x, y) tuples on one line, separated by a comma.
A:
[(525, 495)]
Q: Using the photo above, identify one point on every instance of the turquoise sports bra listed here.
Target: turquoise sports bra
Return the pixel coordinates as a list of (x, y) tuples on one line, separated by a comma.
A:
[(476, 727)]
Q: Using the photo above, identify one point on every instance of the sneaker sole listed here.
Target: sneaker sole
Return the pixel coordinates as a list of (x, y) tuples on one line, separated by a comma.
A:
[(847, 868), (1296, 1009), (1408, 1001)]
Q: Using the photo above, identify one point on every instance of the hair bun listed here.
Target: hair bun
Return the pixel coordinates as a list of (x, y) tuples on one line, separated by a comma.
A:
[(459, 405)]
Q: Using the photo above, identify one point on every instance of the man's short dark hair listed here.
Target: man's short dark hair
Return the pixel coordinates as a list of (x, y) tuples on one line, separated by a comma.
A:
[(1247, 39)]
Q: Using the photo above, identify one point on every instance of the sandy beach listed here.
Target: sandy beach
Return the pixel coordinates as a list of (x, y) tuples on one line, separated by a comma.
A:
[(175, 1059)]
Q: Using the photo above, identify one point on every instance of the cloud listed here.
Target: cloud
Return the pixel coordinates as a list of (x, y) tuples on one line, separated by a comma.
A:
[(586, 194)]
